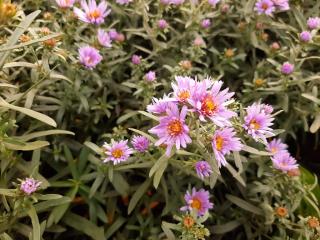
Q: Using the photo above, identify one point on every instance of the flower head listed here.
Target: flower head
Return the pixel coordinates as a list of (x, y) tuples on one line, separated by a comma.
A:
[(117, 152), (223, 142), (305, 36), (150, 76), (198, 41), (206, 23), (140, 143), (313, 23), (265, 7), (89, 56), (258, 122), (213, 3), (203, 169), (287, 68), (29, 185), (113, 34), (135, 59), (162, 24), (282, 5), (183, 88), (159, 106), (172, 129), (198, 201), (91, 12), (65, 3), (284, 162), (276, 146), (176, 2), (104, 38)]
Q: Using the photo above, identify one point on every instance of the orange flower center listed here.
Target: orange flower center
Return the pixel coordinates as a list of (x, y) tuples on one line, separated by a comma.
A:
[(219, 143), (208, 106), (184, 95), (281, 211), (188, 222), (175, 127), (254, 124), (95, 14), (265, 6), (196, 203), (117, 153), (274, 150)]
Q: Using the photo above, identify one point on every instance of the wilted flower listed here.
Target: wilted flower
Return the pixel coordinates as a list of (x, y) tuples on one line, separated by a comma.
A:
[(223, 142), (159, 106), (183, 88), (313, 23), (162, 24), (65, 3), (150, 76), (259, 82), (275, 46), (89, 56), (206, 23), (203, 169), (225, 8), (140, 143), (265, 7), (91, 12), (229, 53), (281, 211), (104, 38), (284, 162), (172, 129), (120, 37), (197, 200), (136, 60), (282, 5), (188, 221), (117, 152), (165, 2), (29, 185), (287, 68), (276, 146), (9, 10), (305, 36), (198, 41), (123, 2), (213, 3), (185, 64), (313, 222)]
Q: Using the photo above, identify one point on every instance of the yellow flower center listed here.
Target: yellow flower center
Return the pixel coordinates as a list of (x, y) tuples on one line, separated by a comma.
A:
[(95, 14), (184, 95), (117, 153), (254, 124), (196, 203), (219, 143), (274, 150), (175, 127), (265, 6), (208, 106)]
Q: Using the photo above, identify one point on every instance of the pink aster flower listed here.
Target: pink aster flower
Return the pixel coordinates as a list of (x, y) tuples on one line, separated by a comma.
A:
[(276, 146), (117, 152), (172, 129), (104, 38), (29, 185), (89, 56), (287, 68), (159, 106), (197, 201), (223, 142), (313, 23), (140, 143), (123, 2), (198, 41), (258, 122), (113, 34), (212, 103), (305, 36), (282, 5), (162, 24), (150, 76), (183, 88), (284, 162), (65, 3), (206, 23), (177, 2), (135, 59), (213, 3), (91, 12), (203, 169), (264, 7)]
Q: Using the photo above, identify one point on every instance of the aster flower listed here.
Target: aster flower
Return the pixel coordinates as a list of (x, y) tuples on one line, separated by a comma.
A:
[(89, 56), (123, 2), (177, 2), (223, 142), (113, 34), (203, 169), (29, 186), (198, 41), (183, 88), (213, 3), (91, 12), (65, 3), (104, 38), (198, 201), (282, 5), (258, 122), (117, 152), (140, 143), (159, 106), (150, 76), (172, 129), (206, 23), (287, 68), (284, 162), (264, 7), (313, 23), (212, 103), (162, 24), (276, 146), (135, 59), (305, 36)]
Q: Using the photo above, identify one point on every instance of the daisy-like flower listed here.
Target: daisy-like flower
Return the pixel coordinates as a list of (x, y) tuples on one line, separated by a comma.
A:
[(117, 152), (313, 23), (29, 186), (183, 88), (140, 143), (91, 12), (276, 146), (159, 106), (258, 122), (284, 162), (89, 56), (203, 169), (104, 38), (197, 201), (212, 103), (65, 3), (172, 129), (265, 7), (223, 142), (282, 5), (305, 36)]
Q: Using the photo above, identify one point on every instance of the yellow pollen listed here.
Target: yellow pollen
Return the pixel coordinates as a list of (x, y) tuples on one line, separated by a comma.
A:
[(196, 203), (184, 95), (117, 153), (208, 106), (95, 14), (174, 127), (254, 124), (219, 143)]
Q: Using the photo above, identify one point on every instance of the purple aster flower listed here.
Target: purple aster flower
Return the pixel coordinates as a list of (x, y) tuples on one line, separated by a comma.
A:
[(313, 23), (183, 88), (305, 36), (287, 68), (213, 3), (206, 23), (29, 185), (282, 5), (223, 142), (104, 38), (65, 3), (177, 2), (89, 56), (264, 7), (140, 143), (284, 162), (213, 103), (91, 12), (172, 129), (159, 106), (123, 2), (136, 60), (198, 201), (150, 76), (162, 24), (276, 146), (258, 122), (117, 152), (113, 34), (203, 169)]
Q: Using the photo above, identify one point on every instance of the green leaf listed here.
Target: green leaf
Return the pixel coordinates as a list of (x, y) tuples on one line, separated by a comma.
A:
[(316, 124), (166, 229), (311, 97), (29, 136), (126, 116), (114, 227), (149, 115), (255, 151), (9, 192), (28, 146), (36, 233), (94, 147), (143, 134), (244, 204), (227, 227), (158, 163), (138, 195), (120, 184), (158, 175)]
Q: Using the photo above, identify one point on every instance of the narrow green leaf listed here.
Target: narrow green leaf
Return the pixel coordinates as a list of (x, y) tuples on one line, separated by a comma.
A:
[(114, 227), (138, 195), (244, 204), (227, 227), (166, 229), (36, 233), (255, 151)]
